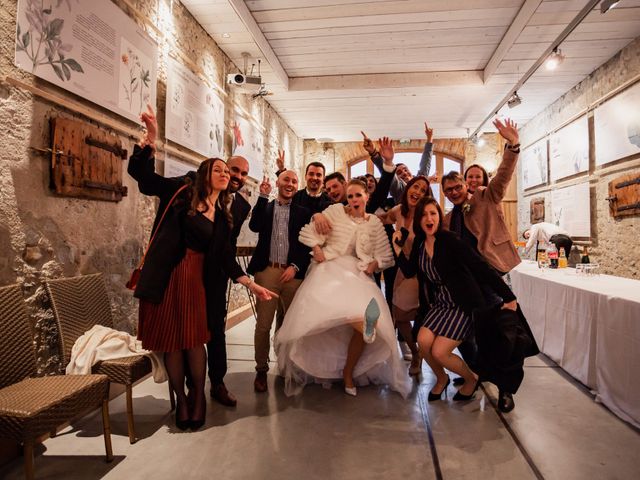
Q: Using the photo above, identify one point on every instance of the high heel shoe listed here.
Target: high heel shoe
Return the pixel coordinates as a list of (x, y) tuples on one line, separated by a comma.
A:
[(371, 315), (353, 391), (437, 396), (461, 397)]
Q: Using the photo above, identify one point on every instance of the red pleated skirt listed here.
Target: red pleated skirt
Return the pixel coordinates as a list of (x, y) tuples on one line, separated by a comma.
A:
[(180, 321)]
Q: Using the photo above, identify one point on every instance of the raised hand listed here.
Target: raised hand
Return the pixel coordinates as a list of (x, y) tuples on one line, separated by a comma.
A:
[(508, 130), (428, 132), (280, 160), (386, 149), (435, 178), (368, 144), (265, 186), (151, 126)]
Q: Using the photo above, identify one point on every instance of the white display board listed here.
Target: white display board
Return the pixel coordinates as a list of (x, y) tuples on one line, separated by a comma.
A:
[(569, 149), (617, 126), (90, 48), (534, 165), (195, 112), (248, 142), (176, 168), (571, 209)]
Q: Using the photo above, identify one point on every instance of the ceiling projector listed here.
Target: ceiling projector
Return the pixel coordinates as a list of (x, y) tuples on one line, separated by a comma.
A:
[(245, 83)]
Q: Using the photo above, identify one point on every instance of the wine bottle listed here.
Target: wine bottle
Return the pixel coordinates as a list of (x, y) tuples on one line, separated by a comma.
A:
[(585, 256)]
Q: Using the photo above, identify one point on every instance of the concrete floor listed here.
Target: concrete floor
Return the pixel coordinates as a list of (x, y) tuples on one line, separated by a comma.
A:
[(557, 431)]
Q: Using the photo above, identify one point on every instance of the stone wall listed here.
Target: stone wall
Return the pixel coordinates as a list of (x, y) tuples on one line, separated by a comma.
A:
[(44, 236), (613, 241)]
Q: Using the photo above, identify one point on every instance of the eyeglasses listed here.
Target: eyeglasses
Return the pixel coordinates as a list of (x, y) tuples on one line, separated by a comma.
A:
[(450, 190)]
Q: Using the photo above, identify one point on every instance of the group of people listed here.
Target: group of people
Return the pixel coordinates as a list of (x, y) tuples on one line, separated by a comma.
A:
[(320, 250)]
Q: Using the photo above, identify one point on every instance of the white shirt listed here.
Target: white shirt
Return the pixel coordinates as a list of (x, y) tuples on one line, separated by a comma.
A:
[(541, 233)]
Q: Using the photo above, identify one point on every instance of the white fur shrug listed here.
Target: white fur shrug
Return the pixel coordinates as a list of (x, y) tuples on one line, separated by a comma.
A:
[(371, 241)]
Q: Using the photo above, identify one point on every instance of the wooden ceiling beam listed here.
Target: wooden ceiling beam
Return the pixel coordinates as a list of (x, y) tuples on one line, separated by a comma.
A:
[(247, 18), (517, 26), (385, 80)]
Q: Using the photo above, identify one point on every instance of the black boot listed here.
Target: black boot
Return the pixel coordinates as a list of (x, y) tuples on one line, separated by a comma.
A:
[(505, 402)]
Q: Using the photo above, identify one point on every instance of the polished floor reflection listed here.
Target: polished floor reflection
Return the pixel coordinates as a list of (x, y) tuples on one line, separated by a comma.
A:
[(556, 431)]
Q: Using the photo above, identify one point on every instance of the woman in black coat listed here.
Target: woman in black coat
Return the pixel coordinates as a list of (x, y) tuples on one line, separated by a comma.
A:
[(190, 241), (450, 274)]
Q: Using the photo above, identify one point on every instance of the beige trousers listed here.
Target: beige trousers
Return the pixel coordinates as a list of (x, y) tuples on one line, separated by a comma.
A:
[(265, 311)]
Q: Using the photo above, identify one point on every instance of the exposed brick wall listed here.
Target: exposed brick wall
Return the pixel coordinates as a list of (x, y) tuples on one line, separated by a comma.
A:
[(43, 236), (614, 242)]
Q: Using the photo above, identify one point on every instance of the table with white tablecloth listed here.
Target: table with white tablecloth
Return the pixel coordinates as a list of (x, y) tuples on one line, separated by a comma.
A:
[(590, 326)]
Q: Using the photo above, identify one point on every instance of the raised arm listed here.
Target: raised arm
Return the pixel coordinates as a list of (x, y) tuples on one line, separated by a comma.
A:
[(498, 185), (258, 215), (425, 160)]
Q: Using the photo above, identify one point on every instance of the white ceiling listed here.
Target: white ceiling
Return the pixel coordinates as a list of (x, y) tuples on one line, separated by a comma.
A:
[(386, 66)]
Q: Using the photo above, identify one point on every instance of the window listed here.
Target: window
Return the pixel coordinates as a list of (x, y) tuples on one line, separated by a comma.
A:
[(439, 163)]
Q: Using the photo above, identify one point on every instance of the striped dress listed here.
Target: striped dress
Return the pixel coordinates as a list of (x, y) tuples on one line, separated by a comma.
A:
[(444, 318)]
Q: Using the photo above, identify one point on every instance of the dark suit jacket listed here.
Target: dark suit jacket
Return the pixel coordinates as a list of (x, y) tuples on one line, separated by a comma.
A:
[(461, 269), (262, 223), (314, 204), (168, 247)]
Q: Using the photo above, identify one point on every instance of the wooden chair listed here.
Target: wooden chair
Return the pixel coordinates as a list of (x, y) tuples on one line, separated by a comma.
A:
[(78, 304), (32, 407)]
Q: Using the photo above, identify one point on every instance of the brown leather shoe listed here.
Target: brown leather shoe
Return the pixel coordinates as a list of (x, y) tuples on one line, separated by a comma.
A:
[(260, 383), (221, 395)]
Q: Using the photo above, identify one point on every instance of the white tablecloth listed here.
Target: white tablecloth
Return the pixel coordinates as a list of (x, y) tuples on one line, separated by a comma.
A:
[(590, 326)]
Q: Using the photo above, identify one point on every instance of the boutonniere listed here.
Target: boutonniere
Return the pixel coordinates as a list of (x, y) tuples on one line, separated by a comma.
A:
[(466, 208)]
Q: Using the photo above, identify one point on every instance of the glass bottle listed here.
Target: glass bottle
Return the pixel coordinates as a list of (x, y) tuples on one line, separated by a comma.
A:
[(552, 255), (585, 256), (562, 259)]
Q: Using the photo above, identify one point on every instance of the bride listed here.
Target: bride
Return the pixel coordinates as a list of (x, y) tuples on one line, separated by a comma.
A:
[(330, 330)]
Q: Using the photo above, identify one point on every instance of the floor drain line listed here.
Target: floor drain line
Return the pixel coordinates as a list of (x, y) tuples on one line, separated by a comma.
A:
[(516, 440), (432, 442)]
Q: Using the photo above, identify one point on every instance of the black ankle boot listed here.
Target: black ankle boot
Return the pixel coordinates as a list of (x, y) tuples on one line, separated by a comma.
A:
[(505, 402)]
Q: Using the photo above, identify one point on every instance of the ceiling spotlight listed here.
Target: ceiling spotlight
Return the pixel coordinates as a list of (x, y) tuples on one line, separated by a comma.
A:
[(514, 101), (481, 142), (607, 5), (555, 58), (226, 35)]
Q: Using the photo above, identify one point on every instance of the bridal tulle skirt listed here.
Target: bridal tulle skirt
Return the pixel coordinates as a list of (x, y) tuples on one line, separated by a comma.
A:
[(312, 343)]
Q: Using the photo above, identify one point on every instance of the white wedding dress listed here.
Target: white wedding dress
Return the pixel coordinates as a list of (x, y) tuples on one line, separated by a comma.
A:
[(312, 343)]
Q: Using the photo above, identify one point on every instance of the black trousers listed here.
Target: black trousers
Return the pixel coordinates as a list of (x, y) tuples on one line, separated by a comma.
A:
[(217, 345)]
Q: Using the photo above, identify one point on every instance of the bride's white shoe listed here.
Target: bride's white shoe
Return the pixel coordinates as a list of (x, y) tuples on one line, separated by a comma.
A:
[(353, 391)]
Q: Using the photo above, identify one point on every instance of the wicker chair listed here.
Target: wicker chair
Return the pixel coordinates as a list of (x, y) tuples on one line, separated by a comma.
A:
[(33, 407), (78, 304)]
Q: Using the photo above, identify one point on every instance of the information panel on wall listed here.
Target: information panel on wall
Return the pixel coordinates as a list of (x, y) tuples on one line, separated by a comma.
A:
[(569, 149), (534, 165), (571, 209), (617, 126), (195, 113), (92, 49), (176, 168), (248, 142)]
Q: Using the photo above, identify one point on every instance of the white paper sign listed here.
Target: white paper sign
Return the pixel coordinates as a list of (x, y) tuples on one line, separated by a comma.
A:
[(571, 209), (569, 149), (617, 126), (534, 165), (90, 48), (176, 168), (248, 142), (195, 113)]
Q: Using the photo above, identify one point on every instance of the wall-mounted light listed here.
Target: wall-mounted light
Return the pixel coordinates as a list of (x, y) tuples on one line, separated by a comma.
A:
[(555, 58), (607, 5), (514, 101)]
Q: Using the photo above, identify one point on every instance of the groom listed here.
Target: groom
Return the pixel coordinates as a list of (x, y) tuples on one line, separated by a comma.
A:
[(279, 262)]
